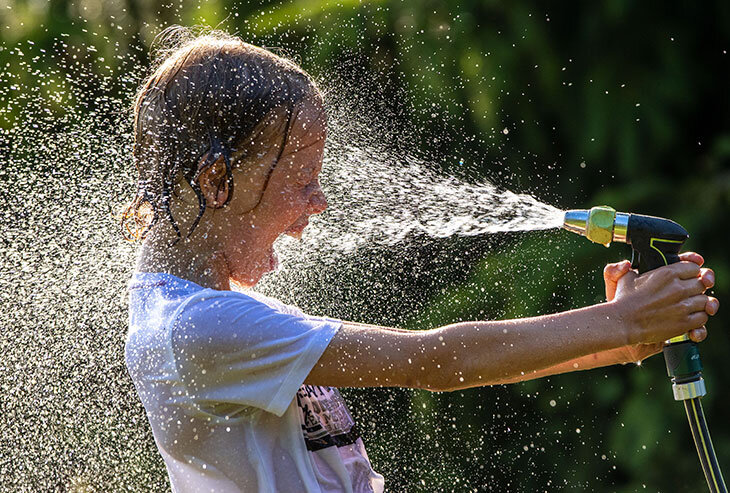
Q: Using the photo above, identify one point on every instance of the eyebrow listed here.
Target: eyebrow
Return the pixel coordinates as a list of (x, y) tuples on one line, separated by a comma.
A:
[(321, 115)]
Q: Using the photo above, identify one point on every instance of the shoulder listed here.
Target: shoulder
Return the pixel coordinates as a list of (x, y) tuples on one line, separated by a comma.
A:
[(223, 320), (210, 323), (277, 304), (210, 308)]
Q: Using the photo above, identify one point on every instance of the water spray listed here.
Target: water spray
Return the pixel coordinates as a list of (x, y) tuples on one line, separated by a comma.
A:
[(655, 242)]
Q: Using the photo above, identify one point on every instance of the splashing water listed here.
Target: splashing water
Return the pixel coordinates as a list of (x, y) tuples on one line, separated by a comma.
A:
[(69, 414), (378, 200)]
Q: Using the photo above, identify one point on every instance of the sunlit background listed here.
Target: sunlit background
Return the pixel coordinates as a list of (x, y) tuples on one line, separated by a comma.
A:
[(576, 103)]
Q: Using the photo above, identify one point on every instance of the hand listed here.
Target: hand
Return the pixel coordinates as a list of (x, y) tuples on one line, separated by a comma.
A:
[(683, 298)]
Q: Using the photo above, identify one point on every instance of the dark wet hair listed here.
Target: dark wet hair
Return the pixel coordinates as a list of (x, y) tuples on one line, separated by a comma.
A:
[(206, 96)]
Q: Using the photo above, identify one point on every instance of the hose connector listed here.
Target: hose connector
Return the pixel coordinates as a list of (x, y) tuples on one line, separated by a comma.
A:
[(684, 367), (601, 224)]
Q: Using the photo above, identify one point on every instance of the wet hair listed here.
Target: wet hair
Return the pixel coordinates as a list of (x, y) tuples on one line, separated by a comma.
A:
[(205, 99)]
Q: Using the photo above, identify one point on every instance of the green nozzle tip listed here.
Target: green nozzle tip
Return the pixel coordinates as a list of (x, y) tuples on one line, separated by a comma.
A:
[(599, 228)]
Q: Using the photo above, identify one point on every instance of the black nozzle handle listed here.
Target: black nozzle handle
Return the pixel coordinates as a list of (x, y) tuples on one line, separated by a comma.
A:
[(655, 241)]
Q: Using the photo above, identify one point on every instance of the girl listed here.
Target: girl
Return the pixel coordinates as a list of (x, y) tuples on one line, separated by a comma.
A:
[(240, 389)]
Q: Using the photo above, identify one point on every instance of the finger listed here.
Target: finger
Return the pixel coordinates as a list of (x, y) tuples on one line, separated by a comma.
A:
[(696, 320), (698, 335), (708, 277), (624, 266), (685, 270), (691, 287), (609, 272), (692, 257), (612, 272), (697, 303), (712, 305)]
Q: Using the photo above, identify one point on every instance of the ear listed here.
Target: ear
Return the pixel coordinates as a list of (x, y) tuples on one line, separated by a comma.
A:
[(213, 183)]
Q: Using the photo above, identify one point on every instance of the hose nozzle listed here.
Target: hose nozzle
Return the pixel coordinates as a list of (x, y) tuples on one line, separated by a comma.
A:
[(601, 224)]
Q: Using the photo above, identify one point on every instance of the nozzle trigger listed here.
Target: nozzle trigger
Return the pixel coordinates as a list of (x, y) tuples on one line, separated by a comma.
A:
[(635, 258)]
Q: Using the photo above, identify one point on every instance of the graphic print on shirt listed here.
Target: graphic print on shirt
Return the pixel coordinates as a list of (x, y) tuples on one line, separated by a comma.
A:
[(326, 422)]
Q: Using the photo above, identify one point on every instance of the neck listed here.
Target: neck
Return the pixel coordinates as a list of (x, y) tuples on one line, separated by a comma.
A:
[(190, 259)]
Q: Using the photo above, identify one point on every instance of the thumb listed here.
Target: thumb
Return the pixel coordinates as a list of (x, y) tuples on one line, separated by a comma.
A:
[(614, 272)]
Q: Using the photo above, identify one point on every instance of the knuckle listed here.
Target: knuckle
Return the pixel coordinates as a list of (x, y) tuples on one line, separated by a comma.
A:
[(678, 289), (692, 289), (688, 305), (688, 268), (700, 319), (662, 276), (684, 307)]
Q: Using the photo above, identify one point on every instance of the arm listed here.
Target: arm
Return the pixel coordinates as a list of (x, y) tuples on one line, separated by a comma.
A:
[(464, 354), (649, 309)]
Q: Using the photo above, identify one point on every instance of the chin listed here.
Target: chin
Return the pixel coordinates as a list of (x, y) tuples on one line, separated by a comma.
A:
[(252, 279), (242, 283), (246, 280), (248, 275)]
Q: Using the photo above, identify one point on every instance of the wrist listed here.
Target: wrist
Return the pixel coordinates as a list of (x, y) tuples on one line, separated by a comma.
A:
[(620, 312)]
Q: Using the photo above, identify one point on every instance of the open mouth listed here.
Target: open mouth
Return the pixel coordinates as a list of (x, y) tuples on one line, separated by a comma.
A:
[(273, 261)]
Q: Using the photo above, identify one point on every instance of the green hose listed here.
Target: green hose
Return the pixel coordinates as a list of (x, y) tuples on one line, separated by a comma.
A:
[(701, 435)]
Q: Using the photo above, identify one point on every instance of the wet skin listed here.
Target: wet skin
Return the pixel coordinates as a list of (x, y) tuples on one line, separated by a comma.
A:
[(234, 242)]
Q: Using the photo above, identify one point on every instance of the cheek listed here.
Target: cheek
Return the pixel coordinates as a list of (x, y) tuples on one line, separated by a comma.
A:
[(292, 205)]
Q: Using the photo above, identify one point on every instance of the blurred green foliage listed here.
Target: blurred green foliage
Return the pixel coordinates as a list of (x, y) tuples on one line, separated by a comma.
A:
[(579, 103)]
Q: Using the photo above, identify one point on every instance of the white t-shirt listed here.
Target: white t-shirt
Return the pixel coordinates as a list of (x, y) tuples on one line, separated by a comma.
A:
[(220, 374)]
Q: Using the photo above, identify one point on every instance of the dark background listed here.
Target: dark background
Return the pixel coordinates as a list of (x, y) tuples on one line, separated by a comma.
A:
[(577, 103)]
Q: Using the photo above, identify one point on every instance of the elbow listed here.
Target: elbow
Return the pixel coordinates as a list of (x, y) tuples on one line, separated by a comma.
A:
[(450, 376), (437, 375), (439, 366), (427, 379), (437, 387), (448, 380)]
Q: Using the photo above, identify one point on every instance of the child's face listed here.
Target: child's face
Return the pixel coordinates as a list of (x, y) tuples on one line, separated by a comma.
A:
[(292, 194)]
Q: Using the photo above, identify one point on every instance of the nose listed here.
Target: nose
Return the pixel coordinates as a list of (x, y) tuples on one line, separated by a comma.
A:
[(318, 202)]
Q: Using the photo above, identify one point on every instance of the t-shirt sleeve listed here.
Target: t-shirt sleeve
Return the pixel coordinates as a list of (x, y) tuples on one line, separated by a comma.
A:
[(230, 349)]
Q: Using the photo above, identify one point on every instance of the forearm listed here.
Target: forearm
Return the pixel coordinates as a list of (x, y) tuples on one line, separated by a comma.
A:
[(595, 360), (488, 353)]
